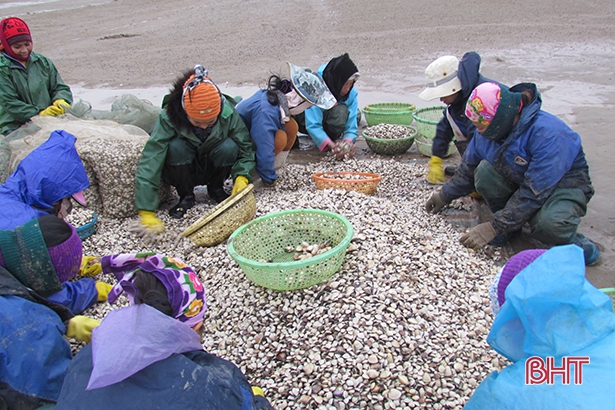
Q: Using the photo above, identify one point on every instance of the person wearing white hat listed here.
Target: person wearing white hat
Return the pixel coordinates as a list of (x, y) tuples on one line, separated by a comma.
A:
[(451, 81)]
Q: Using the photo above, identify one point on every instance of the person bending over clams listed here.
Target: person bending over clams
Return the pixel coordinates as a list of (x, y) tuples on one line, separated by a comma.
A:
[(198, 139), (451, 81), (268, 115), (40, 303), (335, 129), (528, 165), (149, 355), (545, 309)]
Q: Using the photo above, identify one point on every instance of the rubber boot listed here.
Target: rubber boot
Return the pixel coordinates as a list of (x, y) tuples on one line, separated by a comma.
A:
[(215, 187), (591, 252)]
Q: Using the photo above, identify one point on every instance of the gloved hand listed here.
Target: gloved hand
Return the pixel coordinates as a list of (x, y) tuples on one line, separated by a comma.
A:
[(61, 104), (150, 222), (435, 203), (90, 266), (257, 391), (80, 327), (240, 183), (478, 236), (436, 172), (52, 111), (103, 289)]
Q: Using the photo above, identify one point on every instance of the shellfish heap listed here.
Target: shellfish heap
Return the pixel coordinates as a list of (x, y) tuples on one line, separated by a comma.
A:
[(388, 131), (402, 324)]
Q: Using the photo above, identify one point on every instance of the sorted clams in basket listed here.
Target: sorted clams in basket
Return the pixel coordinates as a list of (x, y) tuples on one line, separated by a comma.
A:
[(389, 139)]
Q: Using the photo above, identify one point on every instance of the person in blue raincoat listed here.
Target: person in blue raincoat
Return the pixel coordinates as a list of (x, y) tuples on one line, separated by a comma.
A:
[(149, 355), (43, 182), (549, 309), (335, 129), (268, 116), (34, 354), (45, 255), (528, 165)]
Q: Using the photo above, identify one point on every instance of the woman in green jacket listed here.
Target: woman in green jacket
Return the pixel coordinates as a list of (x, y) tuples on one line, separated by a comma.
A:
[(198, 139), (29, 82)]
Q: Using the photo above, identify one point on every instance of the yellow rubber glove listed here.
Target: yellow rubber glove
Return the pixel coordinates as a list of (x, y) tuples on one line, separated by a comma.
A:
[(150, 221), (436, 172), (257, 391), (90, 266), (80, 327), (240, 183), (61, 104), (103, 289), (52, 111)]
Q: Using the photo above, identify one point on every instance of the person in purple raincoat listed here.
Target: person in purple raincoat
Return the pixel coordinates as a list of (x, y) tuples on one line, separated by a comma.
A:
[(149, 355)]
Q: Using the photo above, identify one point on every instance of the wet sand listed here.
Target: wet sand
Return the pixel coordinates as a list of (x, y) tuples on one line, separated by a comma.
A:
[(108, 47)]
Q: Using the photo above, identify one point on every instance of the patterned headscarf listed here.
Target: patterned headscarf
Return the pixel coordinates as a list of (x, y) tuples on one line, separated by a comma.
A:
[(185, 290), (495, 106), (483, 103)]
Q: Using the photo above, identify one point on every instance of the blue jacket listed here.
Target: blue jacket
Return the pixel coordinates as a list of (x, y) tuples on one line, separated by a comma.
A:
[(540, 155), (314, 115), (551, 310), (76, 296), (263, 121), (34, 355), (470, 77), (49, 173)]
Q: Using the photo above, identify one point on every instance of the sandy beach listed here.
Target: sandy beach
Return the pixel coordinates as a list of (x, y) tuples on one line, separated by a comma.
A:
[(108, 47)]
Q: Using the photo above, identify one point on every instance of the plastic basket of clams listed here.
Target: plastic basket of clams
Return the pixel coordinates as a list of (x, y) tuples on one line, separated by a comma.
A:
[(423, 144), (363, 182), (84, 221), (389, 139), (292, 249)]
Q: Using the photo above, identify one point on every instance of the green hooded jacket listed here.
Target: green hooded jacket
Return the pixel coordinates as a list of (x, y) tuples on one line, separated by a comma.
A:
[(149, 170), (26, 91)]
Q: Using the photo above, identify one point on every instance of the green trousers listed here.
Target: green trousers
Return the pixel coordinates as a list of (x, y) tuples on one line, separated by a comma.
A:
[(555, 223)]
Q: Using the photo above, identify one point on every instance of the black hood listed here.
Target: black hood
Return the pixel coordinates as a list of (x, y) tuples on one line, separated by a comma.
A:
[(336, 73)]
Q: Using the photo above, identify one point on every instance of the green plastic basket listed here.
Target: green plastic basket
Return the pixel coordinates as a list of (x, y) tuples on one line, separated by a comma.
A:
[(265, 239), (389, 113), (611, 293), (423, 144), (427, 119), (396, 146)]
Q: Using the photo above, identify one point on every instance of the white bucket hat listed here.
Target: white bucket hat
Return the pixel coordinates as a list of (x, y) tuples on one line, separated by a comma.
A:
[(311, 87), (443, 80)]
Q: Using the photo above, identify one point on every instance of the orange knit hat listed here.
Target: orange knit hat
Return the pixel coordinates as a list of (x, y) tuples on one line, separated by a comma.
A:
[(201, 100)]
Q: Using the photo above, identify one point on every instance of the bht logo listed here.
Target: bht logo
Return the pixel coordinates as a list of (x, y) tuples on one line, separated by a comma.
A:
[(539, 371)]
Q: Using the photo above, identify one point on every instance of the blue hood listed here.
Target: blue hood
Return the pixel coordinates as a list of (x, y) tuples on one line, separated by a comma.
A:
[(49, 173), (551, 309)]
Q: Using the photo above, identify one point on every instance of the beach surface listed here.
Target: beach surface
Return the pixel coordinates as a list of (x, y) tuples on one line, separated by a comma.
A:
[(107, 48)]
